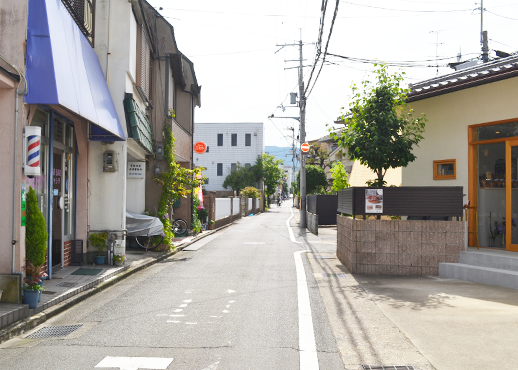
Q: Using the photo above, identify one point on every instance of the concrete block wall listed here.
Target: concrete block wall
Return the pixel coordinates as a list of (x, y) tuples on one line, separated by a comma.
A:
[(385, 247)]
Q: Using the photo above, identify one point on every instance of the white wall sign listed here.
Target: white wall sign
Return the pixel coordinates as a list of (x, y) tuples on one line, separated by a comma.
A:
[(136, 170)]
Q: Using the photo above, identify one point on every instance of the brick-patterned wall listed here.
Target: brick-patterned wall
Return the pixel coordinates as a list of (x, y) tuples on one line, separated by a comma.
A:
[(383, 247), (67, 253)]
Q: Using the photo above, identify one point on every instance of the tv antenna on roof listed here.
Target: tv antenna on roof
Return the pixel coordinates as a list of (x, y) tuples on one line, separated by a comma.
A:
[(437, 43)]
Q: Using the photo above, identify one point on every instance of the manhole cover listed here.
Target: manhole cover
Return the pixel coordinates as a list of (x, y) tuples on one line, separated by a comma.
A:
[(67, 285), (55, 331), (387, 367)]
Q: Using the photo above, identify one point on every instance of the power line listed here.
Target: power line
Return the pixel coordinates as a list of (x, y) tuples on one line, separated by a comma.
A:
[(408, 10)]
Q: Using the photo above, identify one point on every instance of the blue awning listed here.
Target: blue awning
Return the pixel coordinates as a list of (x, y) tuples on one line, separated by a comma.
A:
[(63, 69)]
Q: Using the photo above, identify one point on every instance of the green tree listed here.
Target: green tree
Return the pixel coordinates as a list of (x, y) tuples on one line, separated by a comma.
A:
[(381, 128), (316, 179), (318, 156), (267, 168), (240, 178), (35, 231), (339, 176)]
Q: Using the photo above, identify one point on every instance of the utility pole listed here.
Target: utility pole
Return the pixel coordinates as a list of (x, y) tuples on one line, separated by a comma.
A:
[(483, 35), (302, 106)]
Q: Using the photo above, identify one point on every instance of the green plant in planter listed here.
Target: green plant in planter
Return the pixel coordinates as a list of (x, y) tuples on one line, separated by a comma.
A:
[(35, 231), (119, 257), (98, 240)]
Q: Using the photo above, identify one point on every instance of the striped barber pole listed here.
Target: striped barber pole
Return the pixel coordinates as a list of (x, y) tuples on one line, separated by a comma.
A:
[(33, 151)]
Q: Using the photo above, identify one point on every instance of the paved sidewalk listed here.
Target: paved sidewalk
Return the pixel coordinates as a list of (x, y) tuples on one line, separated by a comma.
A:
[(66, 289), (424, 321)]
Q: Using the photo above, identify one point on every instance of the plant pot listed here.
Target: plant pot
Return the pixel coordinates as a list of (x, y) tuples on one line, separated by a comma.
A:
[(99, 260), (118, 263), (39, 295), (30, 297)]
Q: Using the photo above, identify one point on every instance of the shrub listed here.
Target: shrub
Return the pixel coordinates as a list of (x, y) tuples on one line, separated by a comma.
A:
[(251, 192), (98, 240), (35, 231)]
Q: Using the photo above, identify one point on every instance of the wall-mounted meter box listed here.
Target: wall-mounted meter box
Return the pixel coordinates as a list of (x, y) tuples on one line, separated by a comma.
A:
[(110, 161), (159, 152)]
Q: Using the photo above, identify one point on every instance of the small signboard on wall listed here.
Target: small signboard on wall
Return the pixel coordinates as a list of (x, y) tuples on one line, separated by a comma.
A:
[(136, 170), (373, 200)]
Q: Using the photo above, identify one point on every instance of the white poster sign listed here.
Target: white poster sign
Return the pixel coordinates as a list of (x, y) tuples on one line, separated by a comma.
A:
[(136, 170), (373, 200)]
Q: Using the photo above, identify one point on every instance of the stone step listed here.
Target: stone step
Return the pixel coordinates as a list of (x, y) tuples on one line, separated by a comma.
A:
[(10, 313), (479, 274), (496, 259)]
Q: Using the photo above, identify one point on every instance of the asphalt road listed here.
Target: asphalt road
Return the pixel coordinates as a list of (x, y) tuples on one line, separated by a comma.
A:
[(230, 303)]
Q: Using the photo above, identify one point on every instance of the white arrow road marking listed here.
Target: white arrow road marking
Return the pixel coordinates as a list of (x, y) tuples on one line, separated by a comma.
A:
[(183, 305), (230, 291), (290, 231), (225, 311), (214, 366), (307, 346), (187, 300), (178, 310), (135, 363)]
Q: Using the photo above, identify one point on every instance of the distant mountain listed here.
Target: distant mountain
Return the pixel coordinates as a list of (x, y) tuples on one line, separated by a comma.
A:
[(283, 153)]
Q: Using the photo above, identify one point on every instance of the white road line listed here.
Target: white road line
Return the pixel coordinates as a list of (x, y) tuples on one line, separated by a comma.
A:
[(183, 305), (178, 310), (134, 363), (307, 345), (290, 231)]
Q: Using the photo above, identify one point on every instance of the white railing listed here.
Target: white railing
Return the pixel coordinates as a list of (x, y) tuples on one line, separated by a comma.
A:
[(222, 208)]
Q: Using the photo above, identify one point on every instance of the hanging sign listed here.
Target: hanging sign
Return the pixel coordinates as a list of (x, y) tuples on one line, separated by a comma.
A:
[(305, 147), (200, 147), (373, 200), (24, 205), (136, 170)]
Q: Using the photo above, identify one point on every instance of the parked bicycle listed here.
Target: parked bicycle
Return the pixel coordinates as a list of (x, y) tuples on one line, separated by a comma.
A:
[(147, 230)]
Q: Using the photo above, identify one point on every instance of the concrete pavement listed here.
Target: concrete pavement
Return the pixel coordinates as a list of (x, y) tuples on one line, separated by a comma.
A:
[(426, 322)]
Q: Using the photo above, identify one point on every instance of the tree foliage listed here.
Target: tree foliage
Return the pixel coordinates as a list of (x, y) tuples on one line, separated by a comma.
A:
[(318, 156), (35, 231), (267, 169), (251, 192), (339, 176), (381, 128), (240, 178), (316, 179)]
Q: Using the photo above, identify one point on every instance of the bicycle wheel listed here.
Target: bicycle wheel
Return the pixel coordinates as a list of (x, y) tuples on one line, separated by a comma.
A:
[(179, 226), (149, 242)]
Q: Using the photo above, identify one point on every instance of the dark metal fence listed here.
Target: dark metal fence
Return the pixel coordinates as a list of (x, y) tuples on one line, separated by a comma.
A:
[(421, 201), (325, 206), (82, 12)]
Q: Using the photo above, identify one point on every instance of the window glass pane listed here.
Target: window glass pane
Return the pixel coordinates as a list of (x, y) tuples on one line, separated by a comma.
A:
[(500, 131), (220, 169), (234, 139), (248, 139), (207, 149), (491, 193), (233, 167), (445, 169), (59, 131), (220, 139)]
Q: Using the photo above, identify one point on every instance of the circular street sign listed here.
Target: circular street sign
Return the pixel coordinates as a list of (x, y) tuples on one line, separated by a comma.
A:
[(200, 147), (305, 147)]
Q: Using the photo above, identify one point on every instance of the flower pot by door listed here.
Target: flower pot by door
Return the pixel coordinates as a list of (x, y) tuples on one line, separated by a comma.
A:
[(30, 297), (99, 260), (118, 263)]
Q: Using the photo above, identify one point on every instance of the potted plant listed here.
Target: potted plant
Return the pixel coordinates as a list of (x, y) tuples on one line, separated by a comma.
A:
[(98, 241), (33, 283), (119, 259)]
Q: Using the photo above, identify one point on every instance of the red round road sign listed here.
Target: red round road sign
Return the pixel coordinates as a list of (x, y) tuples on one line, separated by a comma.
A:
[(200, 147), (305, 147)]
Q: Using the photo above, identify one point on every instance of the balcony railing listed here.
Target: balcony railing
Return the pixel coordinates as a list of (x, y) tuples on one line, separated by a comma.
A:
[(82, 11)]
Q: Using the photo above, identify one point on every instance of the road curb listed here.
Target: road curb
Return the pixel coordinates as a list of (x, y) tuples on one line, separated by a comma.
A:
[(29, 323)]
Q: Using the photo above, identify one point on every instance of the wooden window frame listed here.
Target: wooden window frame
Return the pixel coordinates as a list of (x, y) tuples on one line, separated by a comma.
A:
[(436, 176)]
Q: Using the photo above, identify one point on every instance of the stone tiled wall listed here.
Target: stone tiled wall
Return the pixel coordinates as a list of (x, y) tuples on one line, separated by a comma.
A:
[(383, 247), (67, 253)]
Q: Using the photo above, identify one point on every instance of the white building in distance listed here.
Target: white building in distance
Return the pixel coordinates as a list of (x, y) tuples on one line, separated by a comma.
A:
[(227, 145)]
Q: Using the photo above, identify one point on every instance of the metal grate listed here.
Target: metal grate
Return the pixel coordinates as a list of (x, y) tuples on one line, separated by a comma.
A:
[(145, 66), (388, 367), (77, 252), (82, 11), (55, 331)]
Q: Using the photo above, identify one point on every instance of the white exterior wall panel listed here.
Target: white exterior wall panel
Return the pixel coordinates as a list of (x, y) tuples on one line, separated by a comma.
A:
[(235, 206), (227, 154), (222, 208)]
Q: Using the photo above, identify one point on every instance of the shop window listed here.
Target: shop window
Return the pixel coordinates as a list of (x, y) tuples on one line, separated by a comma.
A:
[(445, 169)]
